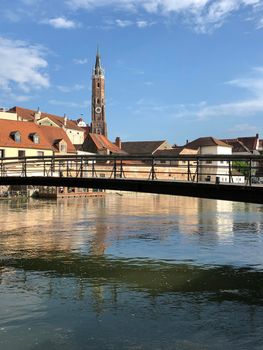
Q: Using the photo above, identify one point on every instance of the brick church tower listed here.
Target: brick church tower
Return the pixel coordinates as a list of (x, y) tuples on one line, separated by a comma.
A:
[(98, 120)]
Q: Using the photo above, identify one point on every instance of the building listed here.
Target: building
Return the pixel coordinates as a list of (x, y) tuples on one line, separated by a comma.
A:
[(98, 118), (244, 145), (74, 132), (20, 139), (173, 153), (96, 143), (144, 148), (211, 170)]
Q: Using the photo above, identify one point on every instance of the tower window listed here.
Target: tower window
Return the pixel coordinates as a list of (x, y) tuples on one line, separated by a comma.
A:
[(98, 85), (98, 100)]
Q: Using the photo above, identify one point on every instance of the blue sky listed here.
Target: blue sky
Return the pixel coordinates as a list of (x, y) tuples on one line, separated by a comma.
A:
[(175, 69)]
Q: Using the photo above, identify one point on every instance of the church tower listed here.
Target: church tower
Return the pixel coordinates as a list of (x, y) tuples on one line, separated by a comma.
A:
[(98, 120)]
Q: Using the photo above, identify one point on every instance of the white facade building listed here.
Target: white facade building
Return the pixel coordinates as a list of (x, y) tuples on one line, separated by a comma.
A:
[(214, 170)]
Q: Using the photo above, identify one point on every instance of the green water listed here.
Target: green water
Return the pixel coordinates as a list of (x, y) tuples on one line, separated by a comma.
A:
[(131, 272)]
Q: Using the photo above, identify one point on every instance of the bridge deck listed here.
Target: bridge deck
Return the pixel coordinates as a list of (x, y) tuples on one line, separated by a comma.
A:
[(250, 194), (224, 177)]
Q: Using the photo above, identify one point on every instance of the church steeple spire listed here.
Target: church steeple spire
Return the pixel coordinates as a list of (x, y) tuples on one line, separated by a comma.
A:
[(98, 70), (98, 119)]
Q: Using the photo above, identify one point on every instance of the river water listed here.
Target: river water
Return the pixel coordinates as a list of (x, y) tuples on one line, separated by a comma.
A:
[(131, 272)]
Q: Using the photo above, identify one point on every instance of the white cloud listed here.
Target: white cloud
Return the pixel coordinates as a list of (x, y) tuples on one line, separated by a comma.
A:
[(236, 109), (123, 23), (243, 128), (80, 60), (260, 23), (30, 2), (253, 84), (22, 67), (244, 108), (69, 104), (66, 89), (61, 23), (12, 16), (148, 83), (203, 14), (142, 24)]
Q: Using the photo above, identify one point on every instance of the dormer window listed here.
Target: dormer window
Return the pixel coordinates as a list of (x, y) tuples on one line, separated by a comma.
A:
[(35, 138), (16, 136), (63, 147)]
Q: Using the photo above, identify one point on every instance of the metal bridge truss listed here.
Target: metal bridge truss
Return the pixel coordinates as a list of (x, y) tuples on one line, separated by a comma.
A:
[(240, 170)]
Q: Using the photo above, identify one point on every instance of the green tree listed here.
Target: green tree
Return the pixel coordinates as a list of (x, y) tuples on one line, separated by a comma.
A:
[(241, 166)]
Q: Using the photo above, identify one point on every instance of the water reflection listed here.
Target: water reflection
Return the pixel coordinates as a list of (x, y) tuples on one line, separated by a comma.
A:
[(136, 272)]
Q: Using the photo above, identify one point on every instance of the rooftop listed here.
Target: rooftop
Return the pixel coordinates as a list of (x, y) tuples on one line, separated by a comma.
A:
[(205, 142), (28, 114), (48, 135), (141, 147)]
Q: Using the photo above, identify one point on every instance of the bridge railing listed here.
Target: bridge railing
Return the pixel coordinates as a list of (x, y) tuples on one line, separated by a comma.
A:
[(206, 168)]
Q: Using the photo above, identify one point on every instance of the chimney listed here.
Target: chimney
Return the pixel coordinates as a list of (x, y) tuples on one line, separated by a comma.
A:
[(37, 115), (257, 142), (118, 142), (65, 120)]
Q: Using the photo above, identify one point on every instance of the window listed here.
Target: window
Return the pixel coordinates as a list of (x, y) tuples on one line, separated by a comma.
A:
[(98, 85), (63, 147), (2, 153), (209, 162), (98, 101), (40, 153), (35, 138), (21, 154), (16, 136)]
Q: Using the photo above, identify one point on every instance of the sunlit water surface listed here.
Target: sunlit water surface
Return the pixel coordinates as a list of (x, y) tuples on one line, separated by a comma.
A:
[(131, 272)]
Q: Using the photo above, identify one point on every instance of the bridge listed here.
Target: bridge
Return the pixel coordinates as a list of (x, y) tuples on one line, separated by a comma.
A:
[(226, 177)]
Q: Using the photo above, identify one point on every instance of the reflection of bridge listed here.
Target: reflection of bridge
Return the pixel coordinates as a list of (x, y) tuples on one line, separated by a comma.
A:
[(188, 175)]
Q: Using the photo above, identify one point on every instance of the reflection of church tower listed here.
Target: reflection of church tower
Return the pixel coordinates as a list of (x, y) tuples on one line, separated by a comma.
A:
[(98, 121)]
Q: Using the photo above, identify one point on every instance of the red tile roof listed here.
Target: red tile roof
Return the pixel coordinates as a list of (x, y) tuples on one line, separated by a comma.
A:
[(238, 146), (249, 143), (141, 147), (206, 141), (28, 114), (102, 143), (48, 135), (175, 151)]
